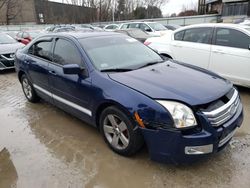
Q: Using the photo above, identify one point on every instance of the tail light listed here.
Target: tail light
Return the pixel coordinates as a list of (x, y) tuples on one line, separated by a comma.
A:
[(147, 43)]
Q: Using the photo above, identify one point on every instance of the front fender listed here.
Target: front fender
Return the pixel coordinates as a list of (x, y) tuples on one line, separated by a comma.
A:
[(162, 48), (110, 91)]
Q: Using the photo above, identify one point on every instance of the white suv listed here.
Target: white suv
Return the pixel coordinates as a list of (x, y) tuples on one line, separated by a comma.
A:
[(222, 48), (152, 28)]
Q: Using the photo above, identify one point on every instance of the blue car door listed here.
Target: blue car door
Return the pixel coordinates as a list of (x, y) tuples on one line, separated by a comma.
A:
[(36, 61), (70, 92)]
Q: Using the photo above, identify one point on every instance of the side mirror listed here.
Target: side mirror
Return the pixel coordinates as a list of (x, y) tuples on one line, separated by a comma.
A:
[(72, 69), (148, 30), (164, 57), (249, 47)]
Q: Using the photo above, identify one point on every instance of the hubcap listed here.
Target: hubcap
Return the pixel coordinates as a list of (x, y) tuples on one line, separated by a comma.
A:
[(27, 88), (116, 132)]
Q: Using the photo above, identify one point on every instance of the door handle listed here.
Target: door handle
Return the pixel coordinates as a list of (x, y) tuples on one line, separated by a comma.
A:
[(218, 52), (27, 62), (52, 72), (176, 45)]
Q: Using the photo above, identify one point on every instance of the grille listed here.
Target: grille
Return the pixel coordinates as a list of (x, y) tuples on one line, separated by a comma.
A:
[(224, 113), (9, 57), (7, 60)]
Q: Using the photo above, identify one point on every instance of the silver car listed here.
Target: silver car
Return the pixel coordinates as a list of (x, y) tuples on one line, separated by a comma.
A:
[(8, 47)]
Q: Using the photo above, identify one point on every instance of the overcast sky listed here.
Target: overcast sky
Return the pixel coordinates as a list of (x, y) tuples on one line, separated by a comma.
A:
[(173, 6)]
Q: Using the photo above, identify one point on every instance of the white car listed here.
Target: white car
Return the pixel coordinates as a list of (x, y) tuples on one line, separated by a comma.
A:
[(222, 48), (246, 22), (111, 27), (152, 28)]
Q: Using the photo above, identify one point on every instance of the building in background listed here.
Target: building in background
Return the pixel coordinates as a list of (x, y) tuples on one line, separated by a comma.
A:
[(236, 8), (202, 7), (227, 8), (45, 12), (210, 7)]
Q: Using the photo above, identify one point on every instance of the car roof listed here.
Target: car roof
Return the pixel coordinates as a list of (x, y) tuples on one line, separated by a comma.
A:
[(228, 25), (138, 22), (80, 35)]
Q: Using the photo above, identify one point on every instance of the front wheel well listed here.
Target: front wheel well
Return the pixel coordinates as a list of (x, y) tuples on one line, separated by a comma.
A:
[(105, 105), (20, 74)]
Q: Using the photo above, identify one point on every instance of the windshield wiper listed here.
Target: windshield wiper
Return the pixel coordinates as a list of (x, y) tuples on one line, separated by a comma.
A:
[(116, 70), (151, 63)]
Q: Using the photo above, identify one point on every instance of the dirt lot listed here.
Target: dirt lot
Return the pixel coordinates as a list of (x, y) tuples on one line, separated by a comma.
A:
[(41, 146)]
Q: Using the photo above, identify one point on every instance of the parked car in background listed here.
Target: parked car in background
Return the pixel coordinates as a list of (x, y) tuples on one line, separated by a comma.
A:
[(64, 29), (222, 48), (8, 47), (172, 26), (132, 95), (245, 22), (80, 29), (152, 28), (89, 26), (26, 36), (52, 28), (111, 27), (135, 33)]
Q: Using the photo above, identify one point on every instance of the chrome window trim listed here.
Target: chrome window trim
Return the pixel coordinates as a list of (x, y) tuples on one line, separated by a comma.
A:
[(60, 99)]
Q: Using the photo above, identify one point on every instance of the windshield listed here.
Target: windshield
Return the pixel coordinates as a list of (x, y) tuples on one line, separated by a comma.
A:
[(118, 52), (157, 26), (6, 39)]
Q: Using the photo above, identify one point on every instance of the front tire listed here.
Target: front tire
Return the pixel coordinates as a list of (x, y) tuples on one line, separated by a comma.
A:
[(28, 90), (119, 132)]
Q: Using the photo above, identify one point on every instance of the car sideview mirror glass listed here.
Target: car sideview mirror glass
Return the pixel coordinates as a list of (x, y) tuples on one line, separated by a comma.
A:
[(148, 30), (72, 69)]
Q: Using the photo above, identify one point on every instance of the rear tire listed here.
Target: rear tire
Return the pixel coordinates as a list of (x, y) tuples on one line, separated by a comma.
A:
[(29, 90), (118, 131)]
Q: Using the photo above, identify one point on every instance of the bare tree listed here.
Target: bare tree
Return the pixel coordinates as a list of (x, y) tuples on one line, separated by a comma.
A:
[(13, 8), (122, 9), (2, 3)]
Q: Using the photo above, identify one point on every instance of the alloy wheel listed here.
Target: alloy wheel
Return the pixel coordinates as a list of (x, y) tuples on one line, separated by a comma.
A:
[(116, 132), (27, 88)]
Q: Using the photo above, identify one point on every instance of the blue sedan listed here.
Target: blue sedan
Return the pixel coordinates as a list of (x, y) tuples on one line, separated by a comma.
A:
[(131, 94)]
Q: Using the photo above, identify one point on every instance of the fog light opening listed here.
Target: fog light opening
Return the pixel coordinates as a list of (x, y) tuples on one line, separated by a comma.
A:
[(199, 150)]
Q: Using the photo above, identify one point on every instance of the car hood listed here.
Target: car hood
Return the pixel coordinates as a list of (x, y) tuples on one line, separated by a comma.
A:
[(172, 81), (10, 48)]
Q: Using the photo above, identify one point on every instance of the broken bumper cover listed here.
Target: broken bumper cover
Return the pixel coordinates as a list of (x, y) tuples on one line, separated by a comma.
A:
[(174, 147)]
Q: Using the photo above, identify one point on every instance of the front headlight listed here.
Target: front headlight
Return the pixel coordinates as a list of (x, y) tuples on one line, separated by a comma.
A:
[(182, 115)]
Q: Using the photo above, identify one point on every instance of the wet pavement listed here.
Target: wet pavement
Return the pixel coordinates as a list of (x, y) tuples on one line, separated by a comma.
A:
[(42, 146)]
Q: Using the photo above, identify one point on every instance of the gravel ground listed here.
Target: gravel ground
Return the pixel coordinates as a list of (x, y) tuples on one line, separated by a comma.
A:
[(42, 146)]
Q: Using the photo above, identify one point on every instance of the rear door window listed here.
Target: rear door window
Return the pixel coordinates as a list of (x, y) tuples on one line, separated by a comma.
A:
[(179, 35), (145, 27), (198, 35), (232, 38), (134, 25), (66, 53)]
